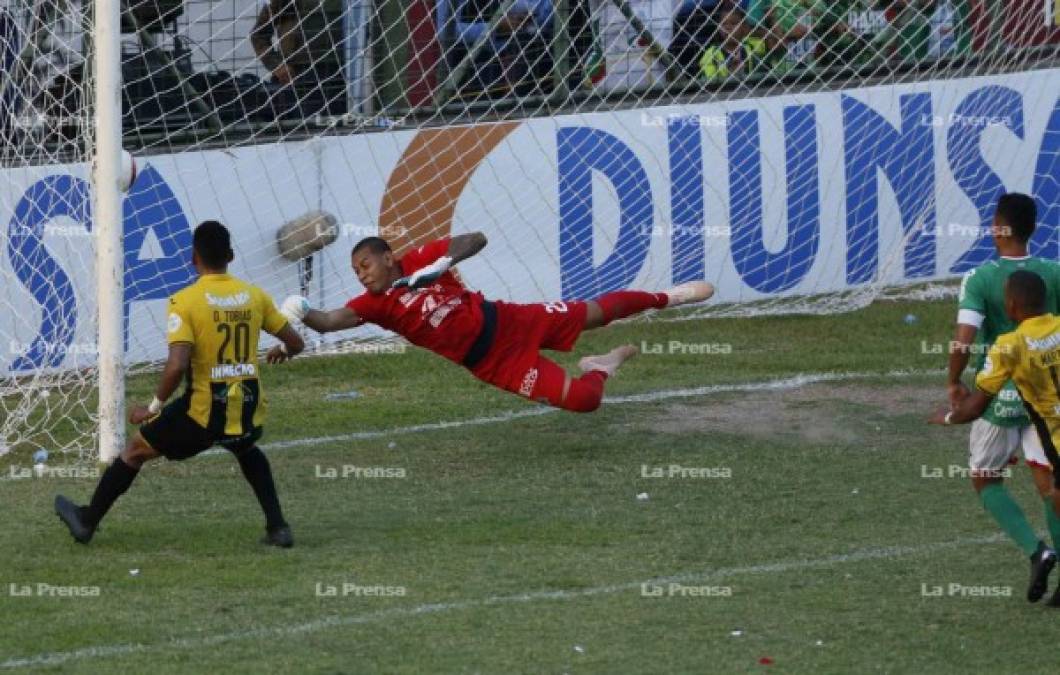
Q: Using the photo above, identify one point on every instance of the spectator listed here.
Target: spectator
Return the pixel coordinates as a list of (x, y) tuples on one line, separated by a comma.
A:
[(295, 40), (867, 18), (791, 25), (838, 43), (962, 26), (739, 54), (908, 34), (695, 29), (943, 31), (755, 14), (517, 55), (583, 58), (10, 39)]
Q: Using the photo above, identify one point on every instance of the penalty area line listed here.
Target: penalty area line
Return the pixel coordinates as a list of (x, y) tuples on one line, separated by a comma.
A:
[(325, 623), (786, 383)]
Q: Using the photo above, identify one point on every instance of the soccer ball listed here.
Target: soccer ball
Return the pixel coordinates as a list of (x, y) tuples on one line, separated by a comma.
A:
[(127, 174)]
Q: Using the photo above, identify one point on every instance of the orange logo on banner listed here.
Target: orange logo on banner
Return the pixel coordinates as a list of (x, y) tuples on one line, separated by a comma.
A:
[(423, 189)]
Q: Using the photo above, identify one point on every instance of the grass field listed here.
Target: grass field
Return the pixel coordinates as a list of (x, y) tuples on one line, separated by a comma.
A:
[(516, 541)]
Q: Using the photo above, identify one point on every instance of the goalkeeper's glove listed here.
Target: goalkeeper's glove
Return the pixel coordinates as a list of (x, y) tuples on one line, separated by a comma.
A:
[(425, 275), (295, 308)]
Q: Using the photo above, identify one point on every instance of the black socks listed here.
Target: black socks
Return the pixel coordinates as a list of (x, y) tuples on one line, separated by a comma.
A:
[(113, 484), (119, 476), (256, 470)]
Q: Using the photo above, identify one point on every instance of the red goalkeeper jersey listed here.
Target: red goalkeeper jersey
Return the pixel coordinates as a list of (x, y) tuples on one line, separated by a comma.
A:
[(444, 317)]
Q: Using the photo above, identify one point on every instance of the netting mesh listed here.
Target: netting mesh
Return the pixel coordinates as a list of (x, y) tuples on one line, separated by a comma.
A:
[(802, 155)]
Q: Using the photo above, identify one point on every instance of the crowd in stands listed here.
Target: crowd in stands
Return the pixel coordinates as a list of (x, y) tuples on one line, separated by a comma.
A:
[(771, 37), (501, 48), (297, 42), (711, 40), (516, 53), (305, 57)]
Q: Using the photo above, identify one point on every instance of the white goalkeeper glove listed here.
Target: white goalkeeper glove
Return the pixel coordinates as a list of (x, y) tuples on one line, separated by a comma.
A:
[(295, 308), (425, 275)]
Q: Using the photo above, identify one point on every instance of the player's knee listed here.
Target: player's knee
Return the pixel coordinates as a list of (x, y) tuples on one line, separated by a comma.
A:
[(980, 482), (249, 454), (1043, 479), (582, 397), (586, 405), (594, 315), (137, 452)]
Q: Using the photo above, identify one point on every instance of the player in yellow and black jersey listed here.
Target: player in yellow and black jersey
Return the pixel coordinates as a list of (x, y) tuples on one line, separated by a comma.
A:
[(1030, 357), (212, 328), (221, 317)]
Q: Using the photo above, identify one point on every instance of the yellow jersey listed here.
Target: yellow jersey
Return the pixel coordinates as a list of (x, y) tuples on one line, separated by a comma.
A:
[(221, 317), (1030, 356), (714, 62)]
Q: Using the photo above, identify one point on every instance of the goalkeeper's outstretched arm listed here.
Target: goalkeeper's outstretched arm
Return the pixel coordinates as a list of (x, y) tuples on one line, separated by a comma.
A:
[(331, 321), (296, 308)]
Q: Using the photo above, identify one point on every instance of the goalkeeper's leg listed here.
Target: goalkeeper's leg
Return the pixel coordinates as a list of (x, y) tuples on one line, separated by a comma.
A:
[(552, 385), (621, 304), (515, 364)]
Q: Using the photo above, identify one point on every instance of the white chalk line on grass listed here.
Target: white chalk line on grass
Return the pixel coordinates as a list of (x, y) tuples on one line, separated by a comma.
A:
[(325, 623), (787, 383), (793, 382)]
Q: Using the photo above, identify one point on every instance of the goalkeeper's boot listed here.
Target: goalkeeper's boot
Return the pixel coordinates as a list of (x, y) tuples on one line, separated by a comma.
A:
[(279, 536), (688, 292), (1042, 563), (72, 516), (608, 362)]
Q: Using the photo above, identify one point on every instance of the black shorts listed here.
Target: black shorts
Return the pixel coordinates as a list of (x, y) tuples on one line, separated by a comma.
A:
[(176, 436)]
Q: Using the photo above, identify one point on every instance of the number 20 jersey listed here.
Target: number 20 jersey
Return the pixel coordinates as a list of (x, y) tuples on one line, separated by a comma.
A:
[(221, 317)]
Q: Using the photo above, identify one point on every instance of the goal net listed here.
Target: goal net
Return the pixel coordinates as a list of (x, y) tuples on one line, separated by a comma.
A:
[(804, 156)]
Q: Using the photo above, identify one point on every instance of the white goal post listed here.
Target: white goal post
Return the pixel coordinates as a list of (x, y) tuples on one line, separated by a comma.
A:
[(806, 161), (107, 216)]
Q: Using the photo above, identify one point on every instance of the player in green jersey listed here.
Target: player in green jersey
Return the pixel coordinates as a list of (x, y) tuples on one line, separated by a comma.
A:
[(1005, 428)]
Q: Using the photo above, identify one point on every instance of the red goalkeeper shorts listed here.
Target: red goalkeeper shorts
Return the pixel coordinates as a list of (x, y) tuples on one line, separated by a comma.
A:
[(522, 331)]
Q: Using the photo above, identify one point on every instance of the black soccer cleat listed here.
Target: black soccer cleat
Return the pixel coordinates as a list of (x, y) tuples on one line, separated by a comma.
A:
[(1042, 563), (70, 514), (282, 538)]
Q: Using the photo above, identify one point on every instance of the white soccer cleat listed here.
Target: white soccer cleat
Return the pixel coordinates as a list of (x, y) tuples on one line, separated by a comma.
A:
[(690, 291), (608, 362)]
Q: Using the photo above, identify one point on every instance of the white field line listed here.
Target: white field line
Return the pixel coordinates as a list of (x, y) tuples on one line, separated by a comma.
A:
[(793, 382), (325, 623), (787, 383)]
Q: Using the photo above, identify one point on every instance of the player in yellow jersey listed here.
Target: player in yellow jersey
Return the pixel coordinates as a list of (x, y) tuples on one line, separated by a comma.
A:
[(212, 329), (1030, 357)]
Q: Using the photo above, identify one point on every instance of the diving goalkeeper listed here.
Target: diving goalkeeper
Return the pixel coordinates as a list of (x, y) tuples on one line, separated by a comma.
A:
[(418, 297)]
